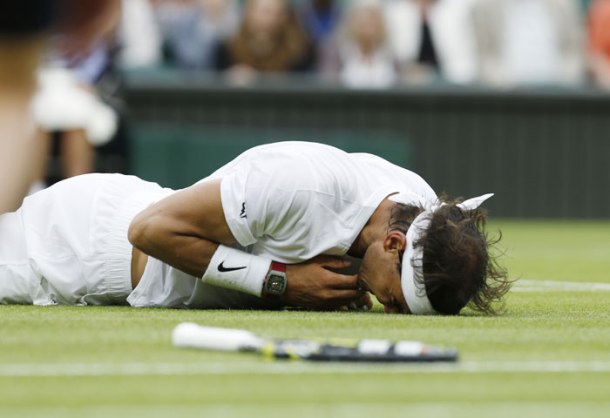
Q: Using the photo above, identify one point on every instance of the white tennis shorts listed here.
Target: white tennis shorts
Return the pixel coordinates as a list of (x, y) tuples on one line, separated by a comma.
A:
[(68, 244)]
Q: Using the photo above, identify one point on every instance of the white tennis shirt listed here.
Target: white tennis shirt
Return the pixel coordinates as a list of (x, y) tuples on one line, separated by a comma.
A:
[(287, 201), (292, 201)]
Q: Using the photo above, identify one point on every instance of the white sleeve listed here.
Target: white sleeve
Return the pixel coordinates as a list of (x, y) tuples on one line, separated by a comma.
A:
[(233, 197), (258, 201)]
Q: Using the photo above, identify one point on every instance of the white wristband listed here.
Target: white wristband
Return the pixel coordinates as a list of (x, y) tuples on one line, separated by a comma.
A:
[(234, 269)]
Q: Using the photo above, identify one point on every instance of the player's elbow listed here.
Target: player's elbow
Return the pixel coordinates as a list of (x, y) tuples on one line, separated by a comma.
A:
[(141, 232)]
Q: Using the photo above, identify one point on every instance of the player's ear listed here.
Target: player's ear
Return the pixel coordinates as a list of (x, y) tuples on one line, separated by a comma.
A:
[(395, 241)]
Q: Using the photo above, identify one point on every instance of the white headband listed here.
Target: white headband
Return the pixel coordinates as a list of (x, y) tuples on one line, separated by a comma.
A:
[(412, 273)]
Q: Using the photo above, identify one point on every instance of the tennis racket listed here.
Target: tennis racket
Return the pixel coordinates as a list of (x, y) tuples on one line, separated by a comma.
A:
[(191, 335)]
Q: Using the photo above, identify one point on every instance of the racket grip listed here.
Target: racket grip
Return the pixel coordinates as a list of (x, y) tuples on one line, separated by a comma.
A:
[(191, 335)]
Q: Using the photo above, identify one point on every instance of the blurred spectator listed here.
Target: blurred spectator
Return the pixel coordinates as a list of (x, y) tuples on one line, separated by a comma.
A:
[(194, 28), (269, 40), (167, 11), (320, 19), (67, 103), (599, 42), (359, 53), (432, 38), (139, 36), (529, 41)]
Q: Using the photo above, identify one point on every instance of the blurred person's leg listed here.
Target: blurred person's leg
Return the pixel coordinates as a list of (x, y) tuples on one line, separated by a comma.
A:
[(21, 47), (77, 154), (39, 161), (19, 58)]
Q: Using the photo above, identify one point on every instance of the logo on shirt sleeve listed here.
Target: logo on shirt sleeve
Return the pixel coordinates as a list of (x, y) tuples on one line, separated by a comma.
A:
[(242, 214)]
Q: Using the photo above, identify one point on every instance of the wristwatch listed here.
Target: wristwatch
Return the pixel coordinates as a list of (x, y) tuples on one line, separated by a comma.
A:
[(275, 282)]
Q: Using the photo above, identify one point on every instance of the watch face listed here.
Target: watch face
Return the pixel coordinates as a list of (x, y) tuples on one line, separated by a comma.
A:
[(276, 284)]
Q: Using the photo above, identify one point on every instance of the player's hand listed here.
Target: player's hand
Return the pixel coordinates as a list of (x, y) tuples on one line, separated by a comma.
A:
[(364, 303), (314, 285)]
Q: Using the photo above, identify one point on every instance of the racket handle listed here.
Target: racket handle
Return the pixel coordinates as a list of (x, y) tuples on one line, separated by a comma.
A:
[(191, 335)]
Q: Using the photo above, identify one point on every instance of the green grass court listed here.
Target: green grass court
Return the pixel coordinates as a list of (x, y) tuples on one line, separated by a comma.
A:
[(547, 356)]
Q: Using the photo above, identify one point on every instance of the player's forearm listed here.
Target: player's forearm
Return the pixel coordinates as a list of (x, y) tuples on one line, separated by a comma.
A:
[(187, 253), (191, 255), (216, 264), (184, 229)]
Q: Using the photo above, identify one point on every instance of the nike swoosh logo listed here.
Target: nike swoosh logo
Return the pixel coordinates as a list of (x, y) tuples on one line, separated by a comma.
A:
[(223, 269)]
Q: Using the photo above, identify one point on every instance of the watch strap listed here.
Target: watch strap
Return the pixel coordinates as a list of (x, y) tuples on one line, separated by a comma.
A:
[(279, 267)]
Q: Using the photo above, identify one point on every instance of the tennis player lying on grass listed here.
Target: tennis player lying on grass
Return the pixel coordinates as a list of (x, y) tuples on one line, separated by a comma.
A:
[(267, 230)]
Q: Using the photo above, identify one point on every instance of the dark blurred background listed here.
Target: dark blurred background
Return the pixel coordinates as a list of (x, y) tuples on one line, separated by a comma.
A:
[(504, 96)]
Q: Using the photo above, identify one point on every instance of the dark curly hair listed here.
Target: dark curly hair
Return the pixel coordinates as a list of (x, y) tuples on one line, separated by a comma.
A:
[(459, 264)]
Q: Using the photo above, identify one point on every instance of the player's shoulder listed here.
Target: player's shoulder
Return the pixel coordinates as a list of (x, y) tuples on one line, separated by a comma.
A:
[(293, 159), (382, 168), (364, 159), (294, 149)]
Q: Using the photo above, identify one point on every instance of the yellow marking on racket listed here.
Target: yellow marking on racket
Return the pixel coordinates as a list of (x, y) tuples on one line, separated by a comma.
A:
[(268, 350)]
